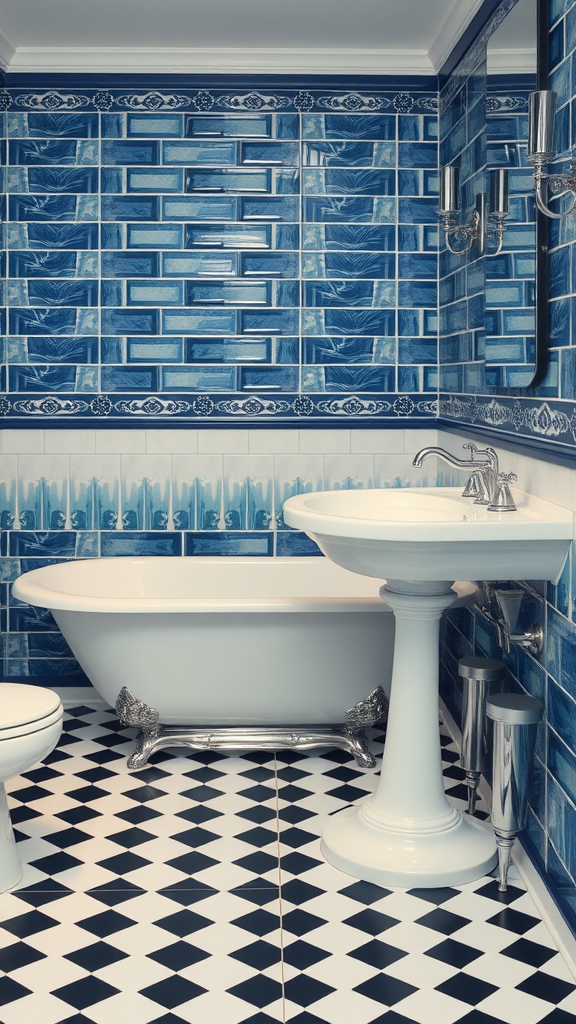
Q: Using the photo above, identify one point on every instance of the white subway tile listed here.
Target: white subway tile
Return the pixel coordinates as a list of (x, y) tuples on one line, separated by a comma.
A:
[(377, 441), (223, 442), (121, 442), (21, 441), (172, 442), (325, 442), (68, 442), (273, 442), (414, 440)]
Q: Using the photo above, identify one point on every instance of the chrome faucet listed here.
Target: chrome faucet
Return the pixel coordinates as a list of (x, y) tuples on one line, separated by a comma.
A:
[(485, 484)]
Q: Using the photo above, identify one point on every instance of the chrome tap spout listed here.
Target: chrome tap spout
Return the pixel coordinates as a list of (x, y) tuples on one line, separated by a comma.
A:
[(485, 481)]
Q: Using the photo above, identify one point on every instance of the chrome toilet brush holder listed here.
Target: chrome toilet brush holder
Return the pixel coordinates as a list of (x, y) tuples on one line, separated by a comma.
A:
[(515, 718), (481, 677)]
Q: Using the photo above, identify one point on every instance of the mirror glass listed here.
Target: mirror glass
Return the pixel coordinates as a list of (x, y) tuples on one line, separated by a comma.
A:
[(513, 352)]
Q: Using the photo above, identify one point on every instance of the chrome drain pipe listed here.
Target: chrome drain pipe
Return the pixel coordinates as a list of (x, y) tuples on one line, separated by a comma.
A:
[(481, 677), (515, 717)]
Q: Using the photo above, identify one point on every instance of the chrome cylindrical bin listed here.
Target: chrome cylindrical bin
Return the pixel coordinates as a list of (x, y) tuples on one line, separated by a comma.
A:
[(515, 717), (481, 677)]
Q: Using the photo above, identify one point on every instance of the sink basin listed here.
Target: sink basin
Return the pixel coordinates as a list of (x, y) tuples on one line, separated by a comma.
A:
[(433, 533), (420, 539)]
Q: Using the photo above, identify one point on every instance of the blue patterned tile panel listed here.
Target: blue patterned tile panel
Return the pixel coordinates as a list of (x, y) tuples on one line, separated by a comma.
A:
[(348, 126), (128, 543), (189, 201), (295, 544), (25, 544), (233, 543), (244, 126), (562, 826), (349, 154), (562, 764), (53, 125), (126, 208), (128, 152)]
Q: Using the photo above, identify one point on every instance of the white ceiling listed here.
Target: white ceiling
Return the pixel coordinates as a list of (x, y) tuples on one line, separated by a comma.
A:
[(266, 36)]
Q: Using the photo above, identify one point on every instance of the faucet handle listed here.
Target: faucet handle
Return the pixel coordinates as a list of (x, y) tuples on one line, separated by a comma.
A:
[(469, 446), (503, 500)]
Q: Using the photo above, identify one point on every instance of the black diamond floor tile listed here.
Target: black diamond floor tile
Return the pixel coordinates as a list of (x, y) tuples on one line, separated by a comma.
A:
[(185, 922), (11, 990), (491, 892), (304, 990), (365, 892), (259, 991), (371, 921), (44, 892), (173, 991), (437, 896), (18, 955), (513, 921), (55, 863), (302, 955), (458, 954), (443, 921), (467, 988), (107, 923), (258, 955), (529, 952), (544, 986), (29, 924), (259, 922), (85, 992), (385, 989), (99, 954), (179, 955), (378, 954)]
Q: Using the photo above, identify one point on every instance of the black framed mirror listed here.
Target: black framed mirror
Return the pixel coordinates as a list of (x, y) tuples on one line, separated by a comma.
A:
[(516, 307)]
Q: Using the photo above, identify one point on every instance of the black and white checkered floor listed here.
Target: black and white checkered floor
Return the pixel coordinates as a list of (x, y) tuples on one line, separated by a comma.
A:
[(194, 891)]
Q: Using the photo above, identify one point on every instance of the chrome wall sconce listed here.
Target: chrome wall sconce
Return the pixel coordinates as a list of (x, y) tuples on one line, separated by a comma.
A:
[(542, 149), (486, 222)]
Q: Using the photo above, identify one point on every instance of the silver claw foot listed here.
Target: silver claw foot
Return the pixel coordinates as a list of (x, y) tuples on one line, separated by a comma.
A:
[(135, 713), (144, 747), (358, 747), (374, 708)]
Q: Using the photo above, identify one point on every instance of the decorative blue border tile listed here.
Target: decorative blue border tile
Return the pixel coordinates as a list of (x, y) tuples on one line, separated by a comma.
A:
[(213, 409)]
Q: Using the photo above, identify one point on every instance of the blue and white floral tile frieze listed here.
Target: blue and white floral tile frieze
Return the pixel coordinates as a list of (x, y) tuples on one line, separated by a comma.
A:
[(205, 100), (529, 417), (213, 409)]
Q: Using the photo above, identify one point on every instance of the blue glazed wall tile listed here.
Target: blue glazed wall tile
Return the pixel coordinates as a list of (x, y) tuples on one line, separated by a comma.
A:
[(561, 712), (232, 544), (295, 544), (129, 543)]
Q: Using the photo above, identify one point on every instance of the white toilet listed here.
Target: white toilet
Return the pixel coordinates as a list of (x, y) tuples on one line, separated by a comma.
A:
[(30, 727)]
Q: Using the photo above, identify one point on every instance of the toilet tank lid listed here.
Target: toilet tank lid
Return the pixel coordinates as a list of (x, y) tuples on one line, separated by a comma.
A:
[(21, 704)]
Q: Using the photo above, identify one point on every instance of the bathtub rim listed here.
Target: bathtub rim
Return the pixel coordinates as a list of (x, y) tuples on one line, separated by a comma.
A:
[(30, 589)]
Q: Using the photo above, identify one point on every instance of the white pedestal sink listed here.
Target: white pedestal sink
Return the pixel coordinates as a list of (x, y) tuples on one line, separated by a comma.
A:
[(421, 540)]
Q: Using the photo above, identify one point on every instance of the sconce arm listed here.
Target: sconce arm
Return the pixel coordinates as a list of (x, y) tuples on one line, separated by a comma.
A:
[(561, 184)]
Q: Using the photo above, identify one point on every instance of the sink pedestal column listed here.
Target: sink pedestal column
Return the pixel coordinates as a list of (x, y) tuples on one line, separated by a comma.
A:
[(407, 833)]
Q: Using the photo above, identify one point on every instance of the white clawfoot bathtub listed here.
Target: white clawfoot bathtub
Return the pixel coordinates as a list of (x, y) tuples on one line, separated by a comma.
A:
[(222, 642)]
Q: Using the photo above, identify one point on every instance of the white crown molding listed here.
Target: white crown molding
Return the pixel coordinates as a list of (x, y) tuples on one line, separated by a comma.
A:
[(187, 60), (518, 62), (451, 30), (7, 52)]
